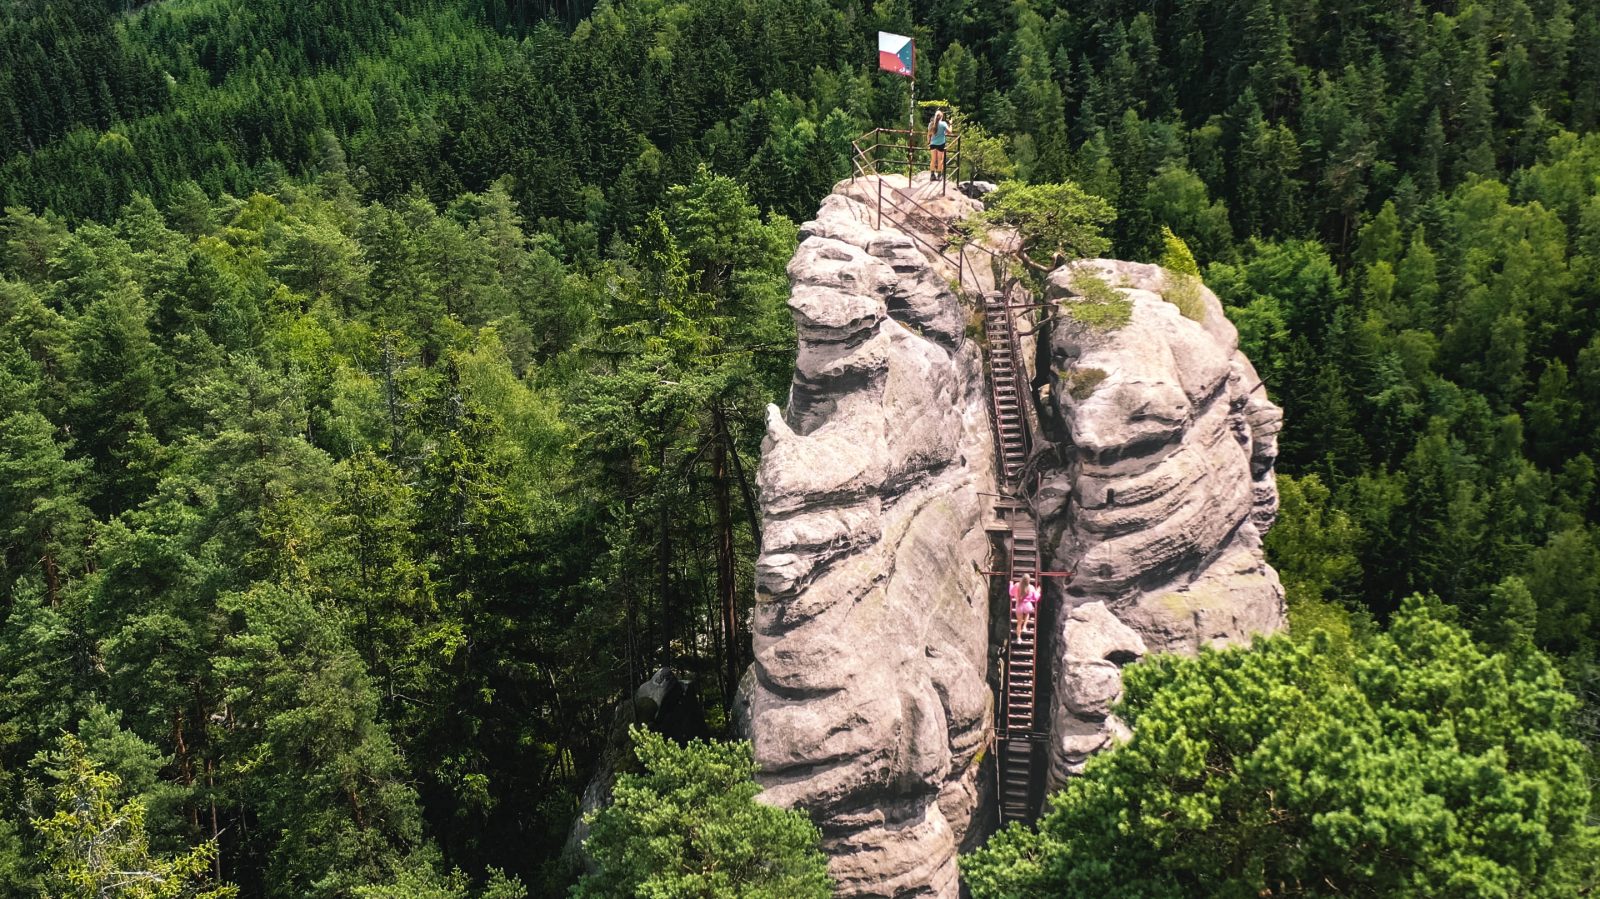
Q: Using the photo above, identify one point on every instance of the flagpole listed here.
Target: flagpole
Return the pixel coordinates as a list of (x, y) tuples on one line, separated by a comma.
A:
[(911, 119)]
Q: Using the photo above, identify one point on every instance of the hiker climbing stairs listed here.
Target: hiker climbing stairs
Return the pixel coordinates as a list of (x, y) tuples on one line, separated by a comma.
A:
[(1019, 749)]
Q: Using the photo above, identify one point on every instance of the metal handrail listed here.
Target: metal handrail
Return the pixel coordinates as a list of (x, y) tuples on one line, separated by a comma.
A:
[(910, 147), (957, 262), (866, 163)]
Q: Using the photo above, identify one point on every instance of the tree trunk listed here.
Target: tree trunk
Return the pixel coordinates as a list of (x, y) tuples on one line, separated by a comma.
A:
[(52, 577), (727, 586), (390, 400), (664, 550), (216, 828), (185, 766), (744, 486)]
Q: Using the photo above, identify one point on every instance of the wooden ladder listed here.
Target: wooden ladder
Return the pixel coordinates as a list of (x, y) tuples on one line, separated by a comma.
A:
[(1007, 381), (1019, 687), (1018, 749)]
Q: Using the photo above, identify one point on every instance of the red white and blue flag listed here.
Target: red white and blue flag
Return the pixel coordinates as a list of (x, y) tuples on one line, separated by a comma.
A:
[(896, 54)]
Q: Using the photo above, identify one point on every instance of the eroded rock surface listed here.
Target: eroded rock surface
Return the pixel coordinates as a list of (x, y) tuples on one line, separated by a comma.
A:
[(870, 700), (1163, 505)]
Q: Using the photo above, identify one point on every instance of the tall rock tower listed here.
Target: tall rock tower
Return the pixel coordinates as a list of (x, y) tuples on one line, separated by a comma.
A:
[(879, 638), (871, 706)]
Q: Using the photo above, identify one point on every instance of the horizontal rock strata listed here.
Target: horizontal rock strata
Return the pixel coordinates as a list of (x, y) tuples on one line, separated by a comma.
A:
[(1171, 487), (870, 703)]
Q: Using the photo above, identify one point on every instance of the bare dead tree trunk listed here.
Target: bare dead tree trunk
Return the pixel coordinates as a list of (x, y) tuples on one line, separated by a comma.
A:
[(631, 617), (216, 828), (390, 400), (664, 549), (52, 576), (727, 586)]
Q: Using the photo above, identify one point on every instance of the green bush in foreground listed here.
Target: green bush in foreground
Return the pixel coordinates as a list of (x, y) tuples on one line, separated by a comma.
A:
[(689, 827), (95, 845), (1411, 763)]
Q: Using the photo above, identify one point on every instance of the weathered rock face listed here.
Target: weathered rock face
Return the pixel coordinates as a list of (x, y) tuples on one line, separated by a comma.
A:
[(870, 701), (1163, 502)]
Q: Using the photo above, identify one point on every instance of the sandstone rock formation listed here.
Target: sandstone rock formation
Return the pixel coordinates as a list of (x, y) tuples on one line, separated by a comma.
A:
[(1093, 647), (1164, 497), (870, 700), (871, 703)]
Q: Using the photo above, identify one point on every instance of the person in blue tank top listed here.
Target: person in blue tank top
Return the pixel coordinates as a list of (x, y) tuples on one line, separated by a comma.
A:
[(939, 135)]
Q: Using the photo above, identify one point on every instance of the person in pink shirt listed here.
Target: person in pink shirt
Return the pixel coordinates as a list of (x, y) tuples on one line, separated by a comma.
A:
[(1024, 602)]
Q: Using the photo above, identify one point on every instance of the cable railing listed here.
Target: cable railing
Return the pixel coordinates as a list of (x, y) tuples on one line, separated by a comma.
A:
[(884, 152)]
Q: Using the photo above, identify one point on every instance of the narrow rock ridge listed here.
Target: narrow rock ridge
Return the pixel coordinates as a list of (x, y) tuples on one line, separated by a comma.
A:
[(870, 705), (1162, 503)]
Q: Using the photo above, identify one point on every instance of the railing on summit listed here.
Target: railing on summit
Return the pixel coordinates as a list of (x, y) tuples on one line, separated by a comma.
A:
[(887, 150), (883, 153)]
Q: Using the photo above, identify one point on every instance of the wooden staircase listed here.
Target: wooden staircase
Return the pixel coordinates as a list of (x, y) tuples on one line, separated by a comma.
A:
[(1008, 387), (1006, 383), (1018, 746)]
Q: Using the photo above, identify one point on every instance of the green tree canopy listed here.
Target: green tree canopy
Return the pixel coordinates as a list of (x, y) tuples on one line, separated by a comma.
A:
[(689, 827), (95, 845), (1054, 223), (1410, 763)]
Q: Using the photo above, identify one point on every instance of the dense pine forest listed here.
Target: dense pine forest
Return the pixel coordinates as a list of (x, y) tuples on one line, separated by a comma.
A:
[(382, 384)]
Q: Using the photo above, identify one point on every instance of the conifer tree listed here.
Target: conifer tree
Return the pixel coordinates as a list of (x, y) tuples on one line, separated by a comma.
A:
[(688, 825), (1309, 766), (95, 843)]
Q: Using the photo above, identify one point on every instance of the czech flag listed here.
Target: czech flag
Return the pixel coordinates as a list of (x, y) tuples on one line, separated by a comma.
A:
[(896, 54)]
